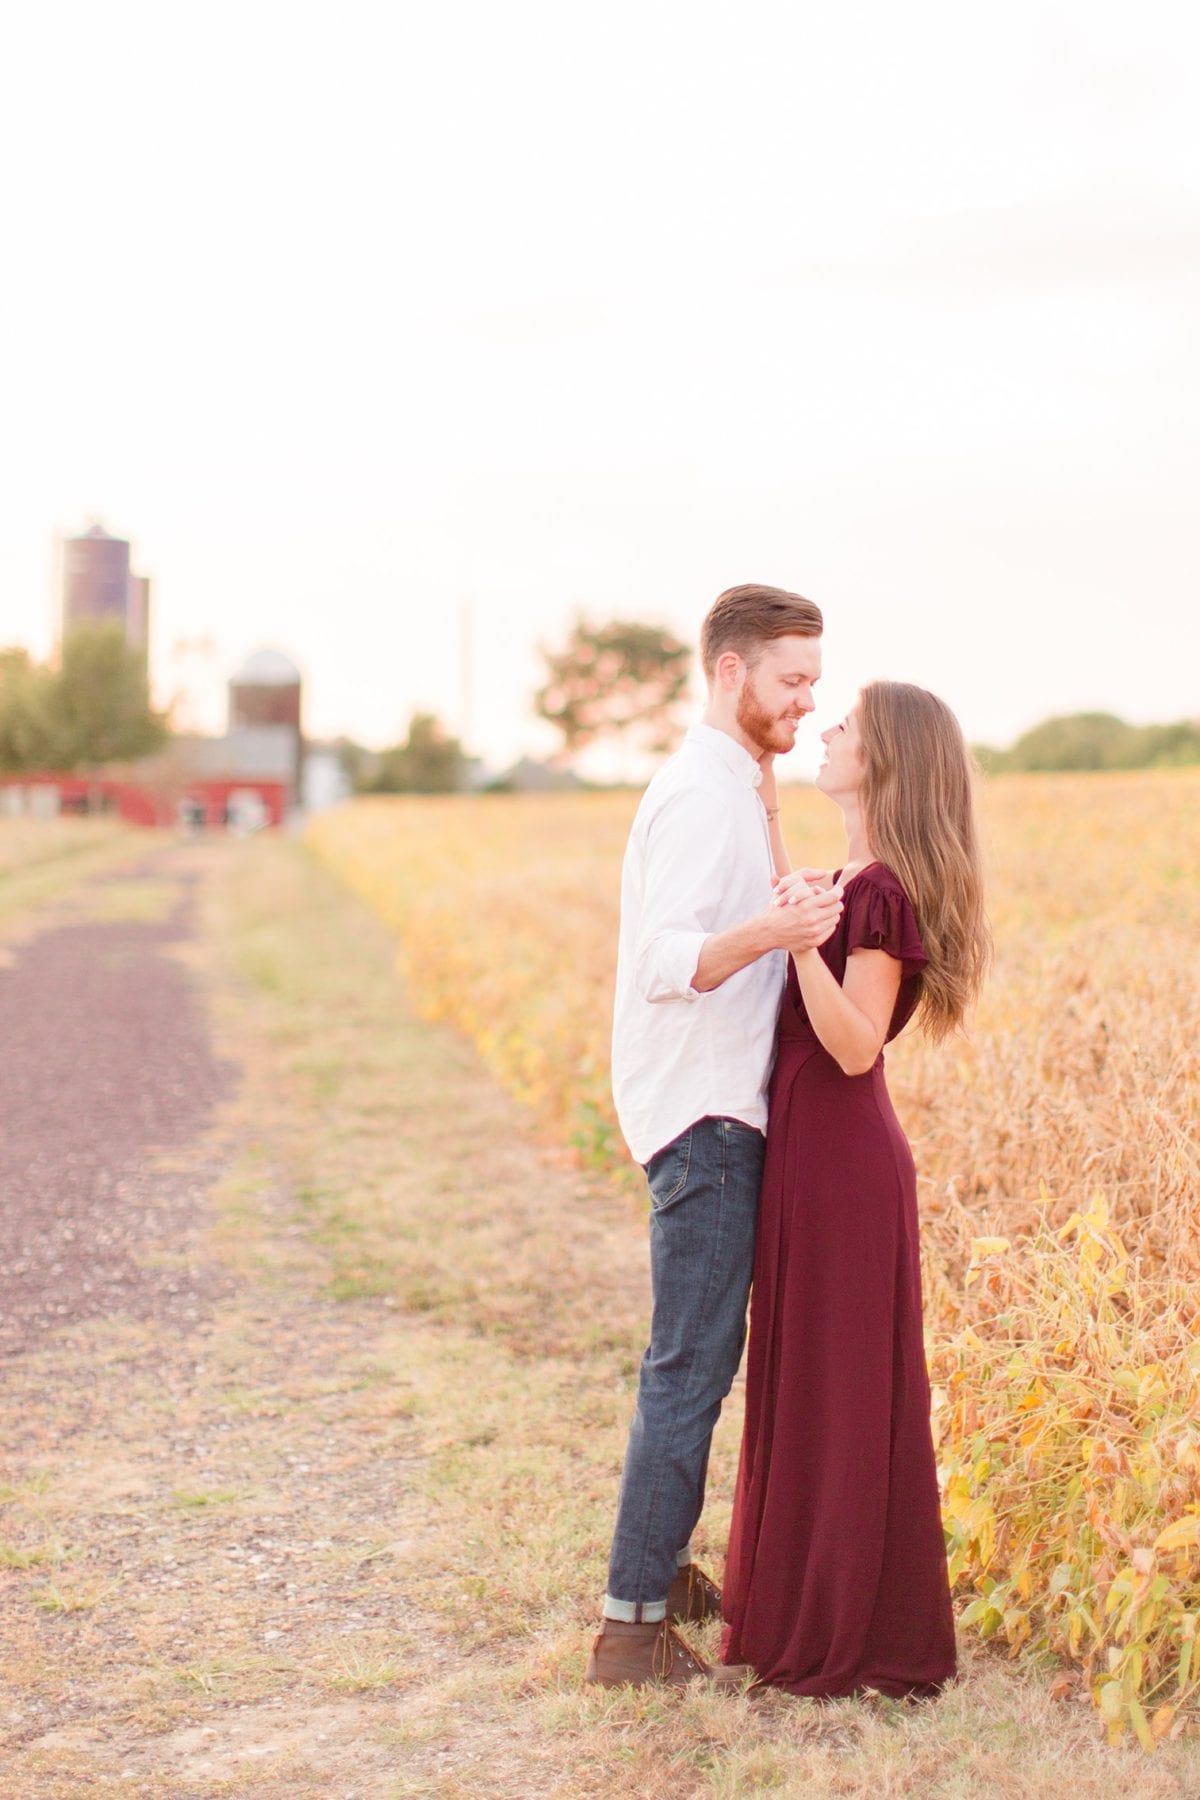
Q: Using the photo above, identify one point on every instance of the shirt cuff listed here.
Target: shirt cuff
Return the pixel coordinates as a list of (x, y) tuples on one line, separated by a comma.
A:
[(668, 964)]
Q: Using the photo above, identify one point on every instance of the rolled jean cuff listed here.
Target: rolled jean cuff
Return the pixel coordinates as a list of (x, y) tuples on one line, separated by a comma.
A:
[(635, 1612), (684, 1557)]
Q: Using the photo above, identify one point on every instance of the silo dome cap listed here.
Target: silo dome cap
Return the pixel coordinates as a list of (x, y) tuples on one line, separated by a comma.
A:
[(267, 668)]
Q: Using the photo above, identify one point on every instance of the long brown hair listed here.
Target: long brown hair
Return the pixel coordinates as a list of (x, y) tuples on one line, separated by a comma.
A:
[(919, 814)]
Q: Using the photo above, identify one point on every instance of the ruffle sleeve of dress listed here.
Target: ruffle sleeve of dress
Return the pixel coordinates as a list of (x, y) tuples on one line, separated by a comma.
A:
[(878, 916)]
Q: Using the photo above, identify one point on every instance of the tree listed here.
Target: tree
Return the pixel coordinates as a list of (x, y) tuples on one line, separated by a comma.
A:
[(94, 708), (990, 760), (99, 705), (1096, 741), (429, 761), (1077, 741), (1167, 746), (619, 679), (23, 736), (358, 763)]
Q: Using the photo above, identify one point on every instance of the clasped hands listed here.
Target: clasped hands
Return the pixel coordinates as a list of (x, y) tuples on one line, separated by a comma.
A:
[(806, 908)]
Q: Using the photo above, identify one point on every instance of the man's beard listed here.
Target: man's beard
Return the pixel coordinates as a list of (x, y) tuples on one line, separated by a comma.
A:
[(765, 730)]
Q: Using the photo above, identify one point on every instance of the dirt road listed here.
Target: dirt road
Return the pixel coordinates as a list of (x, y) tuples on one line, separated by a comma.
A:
[(107, 1057), (201, 1475)]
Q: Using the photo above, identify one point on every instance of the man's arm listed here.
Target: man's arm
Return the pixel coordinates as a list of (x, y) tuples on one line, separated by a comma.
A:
[(679, 956), (799, 927)]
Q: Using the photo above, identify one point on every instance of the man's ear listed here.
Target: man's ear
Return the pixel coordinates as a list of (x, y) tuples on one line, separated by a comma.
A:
[(728, 670)]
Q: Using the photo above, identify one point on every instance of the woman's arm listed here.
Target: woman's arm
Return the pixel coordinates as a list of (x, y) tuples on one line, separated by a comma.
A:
[(851, 1021)]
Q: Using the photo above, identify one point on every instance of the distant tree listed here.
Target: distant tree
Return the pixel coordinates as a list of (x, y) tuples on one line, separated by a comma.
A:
[(1167, 746), (1084, 741), (429, 761), (990, 761), (98, 704), (358, 763), (1078, 741), (23, 733), (620, 679), (94, 708)]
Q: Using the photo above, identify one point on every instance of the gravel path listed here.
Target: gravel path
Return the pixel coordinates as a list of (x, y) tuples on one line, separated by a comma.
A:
[(105, 1059)]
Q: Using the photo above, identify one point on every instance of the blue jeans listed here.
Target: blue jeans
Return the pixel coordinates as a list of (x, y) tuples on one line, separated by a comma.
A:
[(704, 1204)]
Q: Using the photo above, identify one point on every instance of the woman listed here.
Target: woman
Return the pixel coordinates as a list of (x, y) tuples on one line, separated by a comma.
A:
[(836, 1574)]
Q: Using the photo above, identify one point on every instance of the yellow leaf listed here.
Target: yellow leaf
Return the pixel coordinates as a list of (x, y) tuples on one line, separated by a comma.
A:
[(1137, 1719), (1179, 1535), (989, 1246), (1109, 1699)]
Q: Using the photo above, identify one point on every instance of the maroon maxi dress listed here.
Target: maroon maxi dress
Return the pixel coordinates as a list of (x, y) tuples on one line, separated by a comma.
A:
[(836, 1575)]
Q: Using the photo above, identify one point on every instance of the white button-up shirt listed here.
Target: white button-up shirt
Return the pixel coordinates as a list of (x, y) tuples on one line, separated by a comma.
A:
[(697, 862)]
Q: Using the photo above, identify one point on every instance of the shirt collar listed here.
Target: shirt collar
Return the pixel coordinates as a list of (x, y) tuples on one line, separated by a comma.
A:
[(736, 759)]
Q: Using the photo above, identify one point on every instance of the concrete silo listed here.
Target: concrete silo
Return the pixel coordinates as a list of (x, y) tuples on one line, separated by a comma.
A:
[(264, 713), (100, 588), (95, 580)]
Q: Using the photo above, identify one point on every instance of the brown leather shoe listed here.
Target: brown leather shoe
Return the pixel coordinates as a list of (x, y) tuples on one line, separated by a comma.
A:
[(693, 1596), (642, 1654)]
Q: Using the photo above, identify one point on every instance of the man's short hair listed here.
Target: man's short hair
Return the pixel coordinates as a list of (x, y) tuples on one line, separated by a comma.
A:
[(747, 618)]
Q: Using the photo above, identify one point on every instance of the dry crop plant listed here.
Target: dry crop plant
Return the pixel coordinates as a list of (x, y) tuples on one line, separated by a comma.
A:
[(1057, 1150), (505, 911)]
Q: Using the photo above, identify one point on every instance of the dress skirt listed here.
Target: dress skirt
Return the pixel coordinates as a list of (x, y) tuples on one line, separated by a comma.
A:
[(836, 1576)]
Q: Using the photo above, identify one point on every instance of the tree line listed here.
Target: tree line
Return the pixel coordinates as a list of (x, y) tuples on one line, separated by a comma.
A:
[(89, 709), (1094, 740), (627, 680), (618, 680)]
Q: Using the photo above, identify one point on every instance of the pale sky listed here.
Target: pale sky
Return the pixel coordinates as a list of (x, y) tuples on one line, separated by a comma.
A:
[(345, 314)]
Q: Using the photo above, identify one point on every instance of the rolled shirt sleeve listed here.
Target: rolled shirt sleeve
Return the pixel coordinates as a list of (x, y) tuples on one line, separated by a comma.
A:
[(687, 858)]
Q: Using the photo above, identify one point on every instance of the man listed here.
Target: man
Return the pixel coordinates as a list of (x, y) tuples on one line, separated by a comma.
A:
[(700, 971)]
